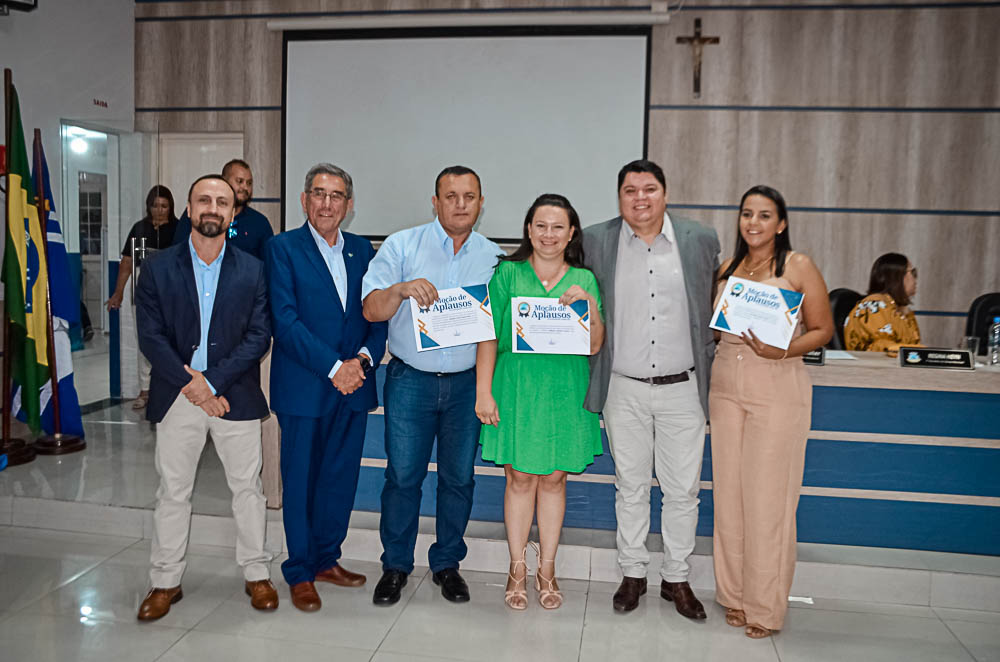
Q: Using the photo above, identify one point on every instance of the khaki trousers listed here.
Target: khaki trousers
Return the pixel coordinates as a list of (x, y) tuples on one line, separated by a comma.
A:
[(761, 412), (180, 438), (145, 370), (662, 428)]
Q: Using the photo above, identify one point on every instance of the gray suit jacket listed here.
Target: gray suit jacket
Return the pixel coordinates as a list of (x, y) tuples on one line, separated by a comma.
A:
[(699, 251)]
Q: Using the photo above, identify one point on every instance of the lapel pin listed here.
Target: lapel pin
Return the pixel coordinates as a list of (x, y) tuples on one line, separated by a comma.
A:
[(350, 255)]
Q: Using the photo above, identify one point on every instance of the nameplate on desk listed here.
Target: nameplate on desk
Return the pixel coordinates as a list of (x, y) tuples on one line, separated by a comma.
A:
[(815, 357), (935, 357)]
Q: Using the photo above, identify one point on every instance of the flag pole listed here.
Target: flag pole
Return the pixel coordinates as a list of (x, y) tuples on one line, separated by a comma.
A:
[(56, 443), (17, 451)]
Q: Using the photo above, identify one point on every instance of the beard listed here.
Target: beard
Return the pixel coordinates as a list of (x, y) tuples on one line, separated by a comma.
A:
[(209, 225), (243, 198)]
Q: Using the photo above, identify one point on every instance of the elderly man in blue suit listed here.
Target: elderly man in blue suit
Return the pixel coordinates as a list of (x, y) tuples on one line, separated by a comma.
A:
[(204, 326), (322, 379)]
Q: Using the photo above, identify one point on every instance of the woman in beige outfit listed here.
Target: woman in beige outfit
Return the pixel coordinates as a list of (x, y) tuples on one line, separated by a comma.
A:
[(760, 407)]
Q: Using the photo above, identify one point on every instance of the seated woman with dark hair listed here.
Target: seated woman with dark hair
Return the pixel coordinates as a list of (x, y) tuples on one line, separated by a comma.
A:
[(883, 321)]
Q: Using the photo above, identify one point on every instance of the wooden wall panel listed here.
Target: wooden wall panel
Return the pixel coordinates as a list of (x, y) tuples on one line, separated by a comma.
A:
[(836, 57), (871, 160), (262, 147), (190, 64), (263, 65)]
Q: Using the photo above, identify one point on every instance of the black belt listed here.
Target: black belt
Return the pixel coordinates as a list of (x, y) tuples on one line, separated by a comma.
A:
[(664, 379)]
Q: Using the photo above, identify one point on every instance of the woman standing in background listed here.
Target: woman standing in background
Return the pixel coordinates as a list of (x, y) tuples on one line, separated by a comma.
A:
[(157, 228)]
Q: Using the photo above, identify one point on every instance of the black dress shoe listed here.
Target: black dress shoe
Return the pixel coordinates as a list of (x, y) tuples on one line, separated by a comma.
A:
[(453, 587), (627, 596), (389, 588), (682, 596)]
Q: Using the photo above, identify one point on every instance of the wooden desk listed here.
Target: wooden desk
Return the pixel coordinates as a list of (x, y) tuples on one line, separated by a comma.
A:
[(876, 370)]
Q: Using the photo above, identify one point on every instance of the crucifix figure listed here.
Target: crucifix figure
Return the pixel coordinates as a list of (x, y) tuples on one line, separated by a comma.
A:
[(697, 43)]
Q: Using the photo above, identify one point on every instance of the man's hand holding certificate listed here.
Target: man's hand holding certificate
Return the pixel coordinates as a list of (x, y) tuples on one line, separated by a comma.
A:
[(460, 316), (770, 312), (542, 325)]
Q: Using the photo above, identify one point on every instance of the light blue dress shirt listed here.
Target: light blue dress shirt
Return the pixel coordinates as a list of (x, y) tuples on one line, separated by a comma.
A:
[(426, 251), (206, 279), (333, 257)]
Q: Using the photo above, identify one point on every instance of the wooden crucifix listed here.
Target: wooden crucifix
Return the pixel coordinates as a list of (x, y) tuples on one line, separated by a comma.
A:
[(697, 44)]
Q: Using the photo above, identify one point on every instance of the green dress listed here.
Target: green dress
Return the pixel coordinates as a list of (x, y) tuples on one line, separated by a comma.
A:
[(543, 425)]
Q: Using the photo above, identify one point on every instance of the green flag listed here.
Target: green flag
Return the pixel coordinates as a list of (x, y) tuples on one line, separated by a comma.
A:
[(25, 275)]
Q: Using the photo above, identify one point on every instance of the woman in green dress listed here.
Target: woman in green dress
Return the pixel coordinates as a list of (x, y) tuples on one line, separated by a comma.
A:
[(531, 405)]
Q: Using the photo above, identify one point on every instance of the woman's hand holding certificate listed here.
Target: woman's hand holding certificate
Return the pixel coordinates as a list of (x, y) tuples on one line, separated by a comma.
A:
[(762, 314), (544, 325)]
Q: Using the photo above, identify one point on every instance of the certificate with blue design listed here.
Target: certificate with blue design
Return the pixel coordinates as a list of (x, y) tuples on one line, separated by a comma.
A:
[(772, 313), (542, 325), (460, 316)]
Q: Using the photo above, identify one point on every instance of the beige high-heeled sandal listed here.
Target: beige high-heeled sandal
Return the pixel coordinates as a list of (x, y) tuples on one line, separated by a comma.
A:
[(514, 597), (549, 597), (755, 631), (735, 617)]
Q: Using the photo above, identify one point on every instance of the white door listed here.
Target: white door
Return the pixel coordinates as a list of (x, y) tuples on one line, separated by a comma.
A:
[(184, 157)]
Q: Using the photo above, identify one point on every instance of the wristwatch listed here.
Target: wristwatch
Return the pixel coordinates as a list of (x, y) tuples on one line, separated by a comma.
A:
[(366, 363)]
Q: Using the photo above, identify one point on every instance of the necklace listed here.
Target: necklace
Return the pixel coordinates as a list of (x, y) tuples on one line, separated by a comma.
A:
[(750, 272), (554, 278)]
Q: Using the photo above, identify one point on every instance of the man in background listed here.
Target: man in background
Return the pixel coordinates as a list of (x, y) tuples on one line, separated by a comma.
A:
[(250, 229)]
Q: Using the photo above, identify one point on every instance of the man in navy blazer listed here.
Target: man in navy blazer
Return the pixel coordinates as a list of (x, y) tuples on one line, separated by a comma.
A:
[(322, 379), (203, 322)]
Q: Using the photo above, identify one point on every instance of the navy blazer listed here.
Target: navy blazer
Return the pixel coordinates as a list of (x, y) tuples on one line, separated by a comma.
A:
[(311, 329), (169, 320)]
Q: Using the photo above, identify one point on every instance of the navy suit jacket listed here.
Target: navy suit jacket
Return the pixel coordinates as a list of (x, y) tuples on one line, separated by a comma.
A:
[(311, 329), (169, 321)]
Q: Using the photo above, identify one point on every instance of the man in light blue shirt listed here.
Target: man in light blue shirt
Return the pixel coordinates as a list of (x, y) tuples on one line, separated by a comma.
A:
[(206, 278), (428, 394), (202, 315)]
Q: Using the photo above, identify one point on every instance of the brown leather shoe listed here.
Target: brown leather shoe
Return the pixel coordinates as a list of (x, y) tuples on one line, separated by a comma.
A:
[(157, 602), (262, 594), (305, 597), (627, 596), (341, 576), (682, 596)]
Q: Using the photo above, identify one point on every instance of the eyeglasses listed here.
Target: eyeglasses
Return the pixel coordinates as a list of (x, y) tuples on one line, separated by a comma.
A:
[(319, 195)]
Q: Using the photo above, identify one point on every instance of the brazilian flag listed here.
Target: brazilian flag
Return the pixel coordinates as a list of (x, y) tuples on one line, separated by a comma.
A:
[(25, 276)]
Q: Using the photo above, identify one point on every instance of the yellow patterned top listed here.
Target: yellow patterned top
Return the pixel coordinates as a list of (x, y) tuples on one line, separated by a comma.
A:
[(877, 325)]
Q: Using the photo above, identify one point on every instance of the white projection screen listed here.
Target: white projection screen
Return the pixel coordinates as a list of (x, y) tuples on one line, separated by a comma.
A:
[(556, 112)]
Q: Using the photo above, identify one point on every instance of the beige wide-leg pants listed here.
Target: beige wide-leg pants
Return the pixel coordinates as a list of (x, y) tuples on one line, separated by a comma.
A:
[(760, 411), (662, 428), (180, 438)]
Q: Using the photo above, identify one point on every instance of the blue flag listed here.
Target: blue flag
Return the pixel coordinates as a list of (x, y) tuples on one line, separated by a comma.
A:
[(65, 311)]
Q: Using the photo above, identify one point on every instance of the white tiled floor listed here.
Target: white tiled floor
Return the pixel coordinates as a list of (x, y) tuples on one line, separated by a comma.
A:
[(73, 596)]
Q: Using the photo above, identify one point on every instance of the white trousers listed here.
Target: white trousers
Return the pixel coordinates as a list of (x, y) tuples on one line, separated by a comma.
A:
[(145, 370), (180, 438), (661, 428)]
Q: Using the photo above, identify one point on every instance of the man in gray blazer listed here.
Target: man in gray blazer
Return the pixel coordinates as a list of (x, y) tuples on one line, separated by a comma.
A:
[(650, 379)]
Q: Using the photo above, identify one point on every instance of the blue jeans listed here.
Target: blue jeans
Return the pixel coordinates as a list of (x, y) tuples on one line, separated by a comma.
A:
[(420, 406)]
